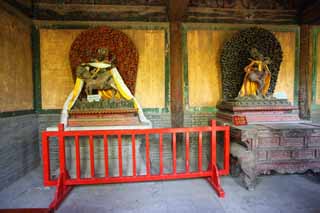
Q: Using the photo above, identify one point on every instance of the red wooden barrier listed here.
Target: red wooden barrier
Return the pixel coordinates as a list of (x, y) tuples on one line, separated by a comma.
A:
[(64, 183)]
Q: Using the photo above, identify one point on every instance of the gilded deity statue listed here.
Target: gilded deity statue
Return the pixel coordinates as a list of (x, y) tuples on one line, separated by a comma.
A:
[(97, 75), (257, 77), (100, 77)]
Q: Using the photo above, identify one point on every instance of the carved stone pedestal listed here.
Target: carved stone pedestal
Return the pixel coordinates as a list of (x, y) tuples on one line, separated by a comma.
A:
[(258, 110), (266, 148)]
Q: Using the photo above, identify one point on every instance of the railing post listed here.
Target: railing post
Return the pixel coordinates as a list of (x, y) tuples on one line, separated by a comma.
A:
[(62, 154), (78, 171), (106, 155), (213, 144), (120, 154), (148, 155), (62, 190), (200, 151), (227, 150), (160, 154), (187, 152), (46, 159), (133, 147), (174, 153), (91, 153)]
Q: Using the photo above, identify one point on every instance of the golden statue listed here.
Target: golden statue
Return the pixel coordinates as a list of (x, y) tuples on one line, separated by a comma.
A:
[(257, 77)]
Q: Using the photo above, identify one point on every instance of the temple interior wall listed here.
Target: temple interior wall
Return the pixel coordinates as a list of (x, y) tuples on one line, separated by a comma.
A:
[(201, 67), (204, 47), (202, 85), (56, 76), (16, 63), (19, 150)]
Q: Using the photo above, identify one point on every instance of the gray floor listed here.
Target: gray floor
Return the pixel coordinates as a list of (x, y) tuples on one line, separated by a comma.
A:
[(278, 193)]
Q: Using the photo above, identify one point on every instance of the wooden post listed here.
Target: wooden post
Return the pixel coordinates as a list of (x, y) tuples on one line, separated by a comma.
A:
[(176, 75), (305, 78), (176, 12)]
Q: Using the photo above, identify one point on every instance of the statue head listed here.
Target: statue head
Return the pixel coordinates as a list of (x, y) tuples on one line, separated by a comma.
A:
[(259, 60), (102, 54), (83, 72)]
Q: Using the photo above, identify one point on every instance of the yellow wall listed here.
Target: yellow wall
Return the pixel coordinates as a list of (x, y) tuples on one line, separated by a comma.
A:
[(150, 86), (285, 82), (204, 77), (56, 77), (16, 64), (204, 48)]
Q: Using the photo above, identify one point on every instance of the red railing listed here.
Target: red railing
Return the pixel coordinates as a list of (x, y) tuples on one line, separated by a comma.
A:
[(64, 183)]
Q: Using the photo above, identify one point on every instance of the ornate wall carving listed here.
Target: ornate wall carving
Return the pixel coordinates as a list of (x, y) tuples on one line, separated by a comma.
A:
[(236, 53)]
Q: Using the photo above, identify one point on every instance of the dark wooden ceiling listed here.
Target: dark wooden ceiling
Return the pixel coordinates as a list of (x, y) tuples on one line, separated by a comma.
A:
[(255, 11)]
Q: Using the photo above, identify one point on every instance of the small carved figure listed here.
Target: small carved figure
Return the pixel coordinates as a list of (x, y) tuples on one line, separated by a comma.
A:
[(97, 74), (103, 81), (257, 77)]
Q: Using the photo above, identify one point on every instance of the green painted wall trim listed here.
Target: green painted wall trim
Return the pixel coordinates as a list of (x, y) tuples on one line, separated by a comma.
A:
[(232, 27), (167, 71), (202, 109), (50, 111), (16, 113), (296, 68), (315, 107), (36, 68), (315, 33), (155, 110), (185, 68), (117, 25)]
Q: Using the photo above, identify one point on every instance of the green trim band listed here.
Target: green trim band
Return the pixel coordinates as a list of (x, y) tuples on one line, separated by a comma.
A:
[(114, 24), (202, 109), (185, 67), (155, 110), (315, 33), (231, 27), (50, 111), (315, 107), (16, 113), (36, 72), (296, 69)]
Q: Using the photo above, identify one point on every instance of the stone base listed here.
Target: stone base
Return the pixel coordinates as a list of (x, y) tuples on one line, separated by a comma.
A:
[(106, 117), (257, 111), (282, 148)]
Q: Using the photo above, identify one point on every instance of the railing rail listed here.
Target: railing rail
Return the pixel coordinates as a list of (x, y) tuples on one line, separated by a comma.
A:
[(64, 182)]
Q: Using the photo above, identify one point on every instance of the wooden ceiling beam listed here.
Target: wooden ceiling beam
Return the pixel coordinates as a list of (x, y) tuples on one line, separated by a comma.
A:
[(311, 15), (177, 9)]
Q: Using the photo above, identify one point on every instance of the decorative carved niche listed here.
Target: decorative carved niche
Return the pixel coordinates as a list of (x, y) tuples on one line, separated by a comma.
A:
[(84, 48), (236, 53)]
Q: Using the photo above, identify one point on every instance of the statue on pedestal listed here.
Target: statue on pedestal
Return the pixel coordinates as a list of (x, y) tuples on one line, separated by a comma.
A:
[(250, 64), (104, 66)]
